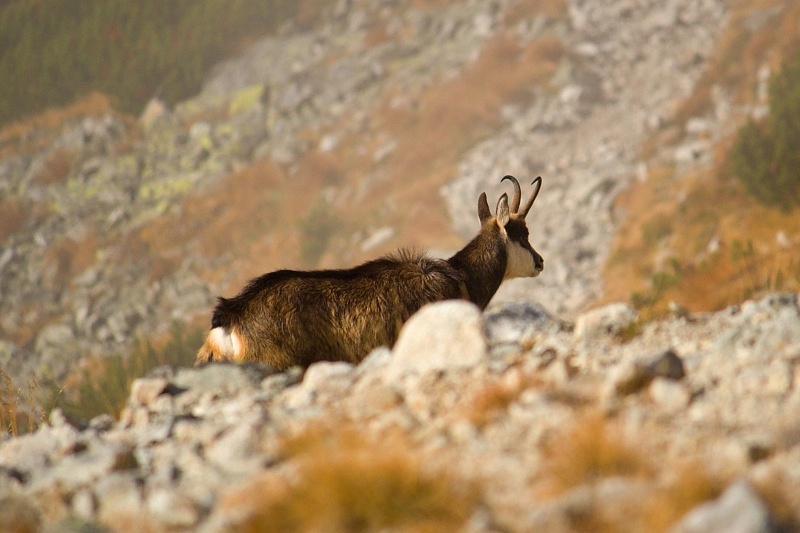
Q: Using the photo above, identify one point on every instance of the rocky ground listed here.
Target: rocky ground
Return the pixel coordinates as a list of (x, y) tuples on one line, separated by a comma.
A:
[(629, 65), (534, 416), (85, 273), (607, 424)]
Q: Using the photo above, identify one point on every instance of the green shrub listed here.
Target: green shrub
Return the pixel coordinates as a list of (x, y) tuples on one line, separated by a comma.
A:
[(52, 53), (766, 155), (106, 391)]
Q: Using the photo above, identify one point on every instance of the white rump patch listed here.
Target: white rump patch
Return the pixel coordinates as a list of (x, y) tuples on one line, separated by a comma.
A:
[(520, 262), (226, 342)]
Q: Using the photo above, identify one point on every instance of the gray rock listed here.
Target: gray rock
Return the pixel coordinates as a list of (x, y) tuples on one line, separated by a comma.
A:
[(631, 377), (221, 378), (611, 319), (517, 322)]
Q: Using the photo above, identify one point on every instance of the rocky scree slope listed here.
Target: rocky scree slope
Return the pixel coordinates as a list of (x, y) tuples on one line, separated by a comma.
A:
[(688, 424), (88, 273)]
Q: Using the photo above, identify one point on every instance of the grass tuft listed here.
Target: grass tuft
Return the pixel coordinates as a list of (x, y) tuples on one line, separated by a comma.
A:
[(593, 448), (349, 482), (691, 485), (496, 396), (780, 496), (103, 386), (18, 410)]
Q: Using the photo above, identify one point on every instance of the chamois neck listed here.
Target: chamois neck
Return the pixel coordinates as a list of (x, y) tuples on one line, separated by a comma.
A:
[(483, 264)]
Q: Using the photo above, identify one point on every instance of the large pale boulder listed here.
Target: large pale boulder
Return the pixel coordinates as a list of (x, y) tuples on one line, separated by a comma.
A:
[(440, 336)]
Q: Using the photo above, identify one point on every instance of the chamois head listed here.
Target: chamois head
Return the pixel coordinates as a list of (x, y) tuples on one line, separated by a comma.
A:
[(523, 260)]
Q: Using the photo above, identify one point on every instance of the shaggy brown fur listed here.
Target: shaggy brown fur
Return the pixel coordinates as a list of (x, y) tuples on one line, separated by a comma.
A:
[(288, 318)]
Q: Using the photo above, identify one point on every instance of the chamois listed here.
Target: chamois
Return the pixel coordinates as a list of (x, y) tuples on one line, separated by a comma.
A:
[(288, 318)]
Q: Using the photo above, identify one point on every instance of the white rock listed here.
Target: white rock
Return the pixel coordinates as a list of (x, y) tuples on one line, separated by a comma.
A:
[(321, 373), (172, 508), (440, 336), (670, 394), (145, 390)]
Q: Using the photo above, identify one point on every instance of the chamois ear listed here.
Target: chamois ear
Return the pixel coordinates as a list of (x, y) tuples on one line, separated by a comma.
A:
[(483, 208), (503, 211)]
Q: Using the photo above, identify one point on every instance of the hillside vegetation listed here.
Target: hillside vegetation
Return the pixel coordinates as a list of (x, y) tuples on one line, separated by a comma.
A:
[(701, 237), (57, 51), (766, 154)]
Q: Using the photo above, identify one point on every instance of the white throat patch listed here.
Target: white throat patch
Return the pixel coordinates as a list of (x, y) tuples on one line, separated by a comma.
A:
[(520, 262)]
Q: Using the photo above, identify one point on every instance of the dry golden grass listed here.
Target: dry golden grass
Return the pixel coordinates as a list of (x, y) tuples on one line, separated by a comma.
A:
[(691, 485), (496, 396), (782, 499), (9, 404), (661, 251), (348, 481), (232, 219), (449, 117), (18, 410), (683, 220), (590, 449), (741, 52), (594, 448)]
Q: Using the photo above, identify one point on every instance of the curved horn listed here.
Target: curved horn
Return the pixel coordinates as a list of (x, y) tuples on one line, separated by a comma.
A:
[(517, 193), (538, 183)]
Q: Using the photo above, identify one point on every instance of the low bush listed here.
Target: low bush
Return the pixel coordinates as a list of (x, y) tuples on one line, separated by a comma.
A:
[(348, 481), (766, 155), (104, 387)]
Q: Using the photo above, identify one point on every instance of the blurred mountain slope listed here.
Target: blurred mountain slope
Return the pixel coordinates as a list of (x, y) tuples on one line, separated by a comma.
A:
[(378, 126)]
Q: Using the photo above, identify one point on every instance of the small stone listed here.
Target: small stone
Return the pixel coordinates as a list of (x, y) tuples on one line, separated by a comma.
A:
[(631, 377), (145, 390), (611, 319), (517, 322), (669, 394), (172, 509), (102, 422), (222, 378), (119, 495), (371, 397), (378, 358), (559, 371), (666, 364), (84, 504), (321, 373)]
